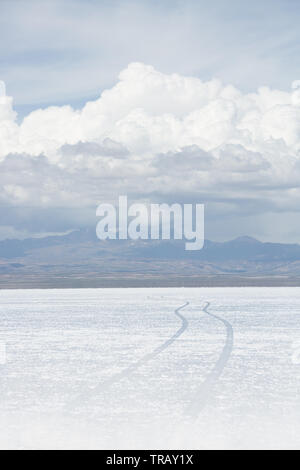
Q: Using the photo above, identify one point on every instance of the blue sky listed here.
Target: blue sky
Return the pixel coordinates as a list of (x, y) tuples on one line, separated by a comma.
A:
[(68, 51)]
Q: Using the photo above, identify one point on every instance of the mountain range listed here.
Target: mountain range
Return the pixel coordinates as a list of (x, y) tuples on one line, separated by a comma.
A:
[(80, 259)]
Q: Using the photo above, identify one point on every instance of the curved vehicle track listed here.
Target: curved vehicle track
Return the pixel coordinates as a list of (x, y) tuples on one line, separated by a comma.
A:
[(204, 392), (129, 370)]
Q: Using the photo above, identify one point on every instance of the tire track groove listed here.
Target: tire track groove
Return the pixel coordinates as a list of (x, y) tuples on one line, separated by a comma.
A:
[(204, 392)]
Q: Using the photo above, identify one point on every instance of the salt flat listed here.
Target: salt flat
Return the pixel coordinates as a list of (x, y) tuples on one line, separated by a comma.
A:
[(198, 368)]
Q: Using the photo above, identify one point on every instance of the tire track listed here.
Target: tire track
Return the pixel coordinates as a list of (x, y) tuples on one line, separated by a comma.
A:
[(148, 357), (204, 392)]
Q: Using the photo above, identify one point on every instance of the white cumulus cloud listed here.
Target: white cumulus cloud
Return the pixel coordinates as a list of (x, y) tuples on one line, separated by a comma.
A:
[(157, 135)]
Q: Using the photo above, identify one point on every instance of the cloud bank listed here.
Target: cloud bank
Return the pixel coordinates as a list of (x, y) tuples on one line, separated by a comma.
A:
[(157, 136)]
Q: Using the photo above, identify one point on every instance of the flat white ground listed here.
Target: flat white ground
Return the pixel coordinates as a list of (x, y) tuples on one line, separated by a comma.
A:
[(124, 368)]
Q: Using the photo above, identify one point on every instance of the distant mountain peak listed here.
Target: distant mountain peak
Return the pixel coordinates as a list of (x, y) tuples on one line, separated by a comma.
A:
[(246, 239)]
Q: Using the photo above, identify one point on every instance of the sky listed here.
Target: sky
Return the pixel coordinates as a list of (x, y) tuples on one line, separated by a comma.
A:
[(177, 101)]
